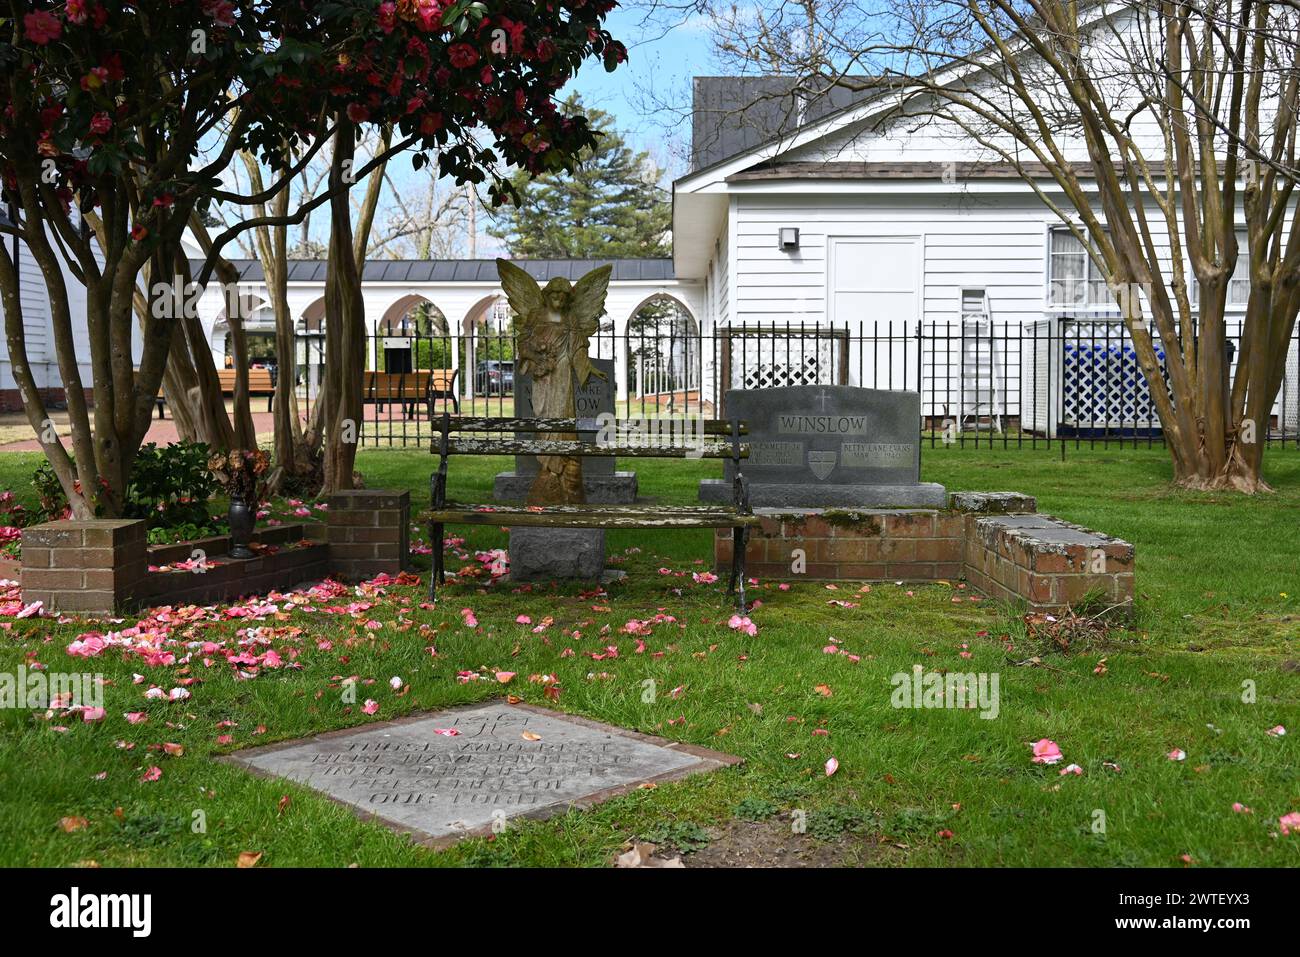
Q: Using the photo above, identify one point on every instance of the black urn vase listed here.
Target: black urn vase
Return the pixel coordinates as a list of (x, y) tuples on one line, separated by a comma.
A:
[(241, 517)]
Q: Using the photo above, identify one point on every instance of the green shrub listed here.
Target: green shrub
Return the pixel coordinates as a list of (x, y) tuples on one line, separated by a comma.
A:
[(170, 487)]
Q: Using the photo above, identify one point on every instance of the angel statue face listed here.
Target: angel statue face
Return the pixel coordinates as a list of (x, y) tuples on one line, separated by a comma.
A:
[(556, 294)]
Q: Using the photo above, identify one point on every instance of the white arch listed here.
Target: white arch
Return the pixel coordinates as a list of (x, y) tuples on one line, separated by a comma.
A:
[(403, 307), (683, 370)]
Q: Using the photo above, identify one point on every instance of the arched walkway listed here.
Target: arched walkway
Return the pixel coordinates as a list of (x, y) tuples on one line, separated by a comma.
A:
[(662, 358)]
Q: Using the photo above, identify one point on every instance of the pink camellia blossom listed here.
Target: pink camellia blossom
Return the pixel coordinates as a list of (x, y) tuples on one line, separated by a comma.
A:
[(387, 16), (1240, 808), (1046, 751), (178, 694), (135, 717), (101, 123), (91, 715), (371, 706), (467, 616), (41, 27), (505, 677), (446, 732), (523, 620), (704, 578), (1289, 822), (1177, 754), (87, 646), (743, 624), (832, 765), (1071, 769), (1276, 731), (153, 774)]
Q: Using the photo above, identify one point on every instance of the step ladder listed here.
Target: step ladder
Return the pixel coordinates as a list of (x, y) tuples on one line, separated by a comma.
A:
[(982, 404)]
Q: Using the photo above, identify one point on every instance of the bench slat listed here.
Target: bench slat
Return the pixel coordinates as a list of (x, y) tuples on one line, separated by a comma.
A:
[(503, 446), (594, 516), (665, 426)]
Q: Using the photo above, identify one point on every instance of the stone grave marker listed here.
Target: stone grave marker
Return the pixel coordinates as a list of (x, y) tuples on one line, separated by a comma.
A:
[(602, 482), (444, 775), (833, 445)]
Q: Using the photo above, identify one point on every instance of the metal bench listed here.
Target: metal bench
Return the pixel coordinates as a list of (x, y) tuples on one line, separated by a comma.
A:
[(717, 439)]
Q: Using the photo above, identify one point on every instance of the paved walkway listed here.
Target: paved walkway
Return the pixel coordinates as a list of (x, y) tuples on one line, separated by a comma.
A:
[(161, 432)]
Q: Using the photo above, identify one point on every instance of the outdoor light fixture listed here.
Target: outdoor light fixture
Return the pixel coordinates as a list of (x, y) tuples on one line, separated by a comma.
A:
[(788, 237)]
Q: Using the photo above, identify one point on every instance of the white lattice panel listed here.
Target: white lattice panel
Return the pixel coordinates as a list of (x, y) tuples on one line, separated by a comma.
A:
[(761, 362), (1104, 387)]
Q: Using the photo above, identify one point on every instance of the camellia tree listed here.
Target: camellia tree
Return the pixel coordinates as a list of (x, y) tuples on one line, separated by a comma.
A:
[(117, 125)]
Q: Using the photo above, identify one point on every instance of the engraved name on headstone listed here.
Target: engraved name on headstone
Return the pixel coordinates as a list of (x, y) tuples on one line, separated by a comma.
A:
[(826, 445)]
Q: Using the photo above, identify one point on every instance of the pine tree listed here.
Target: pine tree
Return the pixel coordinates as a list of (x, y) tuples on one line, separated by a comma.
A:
[(610, 207)]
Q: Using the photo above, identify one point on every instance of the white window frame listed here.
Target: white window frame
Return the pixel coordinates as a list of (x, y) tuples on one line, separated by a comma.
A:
[(1090, 279)]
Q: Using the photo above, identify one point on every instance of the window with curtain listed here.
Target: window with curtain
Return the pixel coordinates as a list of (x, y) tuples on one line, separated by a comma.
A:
[(1073, 280)]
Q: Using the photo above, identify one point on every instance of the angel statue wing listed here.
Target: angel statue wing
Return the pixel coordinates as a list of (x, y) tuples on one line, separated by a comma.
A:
[(522, 292), (586, 305)]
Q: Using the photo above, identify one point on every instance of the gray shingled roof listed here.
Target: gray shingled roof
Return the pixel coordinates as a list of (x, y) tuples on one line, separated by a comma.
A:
[(731, 114), (463, 270)]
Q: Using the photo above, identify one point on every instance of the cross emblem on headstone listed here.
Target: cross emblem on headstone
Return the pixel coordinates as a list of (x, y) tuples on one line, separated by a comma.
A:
[(822, 397)]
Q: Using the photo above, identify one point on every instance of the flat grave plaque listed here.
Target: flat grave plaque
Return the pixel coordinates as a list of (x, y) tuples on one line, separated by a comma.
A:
[(412, 774)]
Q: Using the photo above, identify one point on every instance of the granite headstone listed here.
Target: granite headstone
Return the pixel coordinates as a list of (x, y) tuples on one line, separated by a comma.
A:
[(825, 446), (603, 483), (466, 770)]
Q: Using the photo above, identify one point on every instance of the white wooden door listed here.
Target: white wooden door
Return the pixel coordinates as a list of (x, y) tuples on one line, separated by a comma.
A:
[(875, 288)]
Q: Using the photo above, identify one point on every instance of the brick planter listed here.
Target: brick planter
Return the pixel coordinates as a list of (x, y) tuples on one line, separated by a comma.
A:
[(102, 565), (92, 565), (995, 540)]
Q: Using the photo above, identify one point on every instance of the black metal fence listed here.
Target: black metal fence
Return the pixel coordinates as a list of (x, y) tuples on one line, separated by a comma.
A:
[(1039, 384)]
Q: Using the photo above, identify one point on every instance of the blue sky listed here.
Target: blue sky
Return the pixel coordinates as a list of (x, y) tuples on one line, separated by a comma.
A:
[(665, 50)]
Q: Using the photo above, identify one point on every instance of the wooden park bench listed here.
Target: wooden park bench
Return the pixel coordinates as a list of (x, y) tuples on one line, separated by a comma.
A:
[(737, 516), (259, 383), (408, 388)]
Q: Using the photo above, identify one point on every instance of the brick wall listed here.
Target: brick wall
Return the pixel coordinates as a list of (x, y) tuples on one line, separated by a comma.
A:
[(83, 566), (101, 566), (369, 532), (995, 540), (1047, 563), (842, 545)]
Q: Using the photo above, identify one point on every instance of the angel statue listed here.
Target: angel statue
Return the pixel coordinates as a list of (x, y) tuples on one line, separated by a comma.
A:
[(553, 326)]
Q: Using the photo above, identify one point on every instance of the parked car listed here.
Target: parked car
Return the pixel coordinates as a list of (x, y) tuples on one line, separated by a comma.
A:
[(495, 377)]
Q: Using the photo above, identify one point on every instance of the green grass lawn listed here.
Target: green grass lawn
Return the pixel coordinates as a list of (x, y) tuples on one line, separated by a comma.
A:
[(1218, 580)]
